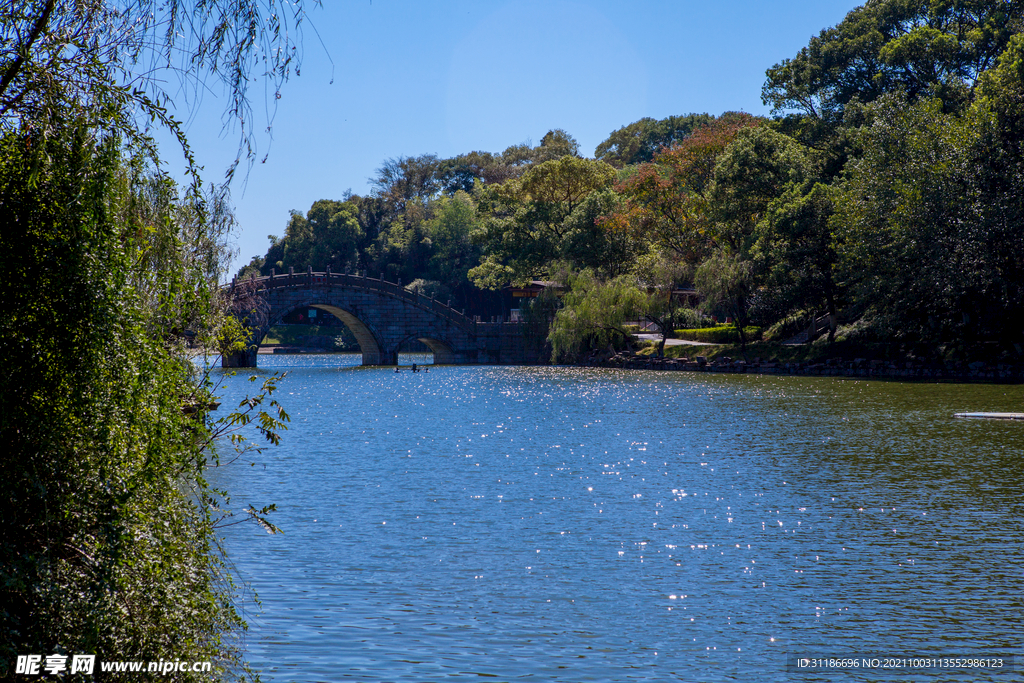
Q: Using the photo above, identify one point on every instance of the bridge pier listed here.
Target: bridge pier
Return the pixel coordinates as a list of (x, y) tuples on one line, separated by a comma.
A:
[(380, 358), (242, 359)]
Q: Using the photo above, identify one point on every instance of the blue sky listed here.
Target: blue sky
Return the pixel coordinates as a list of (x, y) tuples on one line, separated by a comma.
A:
[(446, 77)]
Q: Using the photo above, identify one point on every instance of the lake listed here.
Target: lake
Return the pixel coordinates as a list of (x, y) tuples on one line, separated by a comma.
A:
[(566, 524)]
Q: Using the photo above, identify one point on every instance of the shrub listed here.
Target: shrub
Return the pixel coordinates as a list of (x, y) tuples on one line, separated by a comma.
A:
[(722, 334)]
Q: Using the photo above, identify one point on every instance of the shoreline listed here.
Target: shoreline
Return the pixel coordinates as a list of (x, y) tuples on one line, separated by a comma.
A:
[(859, 368)]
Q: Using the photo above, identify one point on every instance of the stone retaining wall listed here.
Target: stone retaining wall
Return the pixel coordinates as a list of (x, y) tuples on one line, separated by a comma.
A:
[(857, 368)]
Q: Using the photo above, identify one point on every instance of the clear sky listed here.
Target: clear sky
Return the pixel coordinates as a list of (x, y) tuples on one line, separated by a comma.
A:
[(446, 77)]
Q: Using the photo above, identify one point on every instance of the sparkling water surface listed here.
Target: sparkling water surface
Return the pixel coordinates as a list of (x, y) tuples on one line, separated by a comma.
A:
[(565, 524)]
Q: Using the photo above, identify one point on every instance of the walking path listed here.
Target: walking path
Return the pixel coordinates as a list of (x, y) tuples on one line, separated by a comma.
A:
[(651, 336)]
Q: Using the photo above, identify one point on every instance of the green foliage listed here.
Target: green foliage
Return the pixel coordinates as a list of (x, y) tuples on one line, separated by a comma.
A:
[(588, 243), (788, 326), (558, 186), (928, 223), (406, 178), (453, 253), (756, 167), (232, 337), (667, 202), (721, 334), (594, 315), (797, 251), (557, 144), (328, 235), (900, 241), (109, 544), (691, 318), (491, 274), (429, 288), (331, 338), (539, 219), (723, 281), (924, 48), (638, 142), (109, 61), (252, 269)]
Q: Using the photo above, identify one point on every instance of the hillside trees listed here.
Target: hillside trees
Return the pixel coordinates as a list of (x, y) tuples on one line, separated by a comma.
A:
[(922, 48), (638, 142), (449, 231), (901, 215), (885, 190), (424, 218), (533, 219), (890, 168), (757, 167), (667, 201), (701, 209), (328, 235), (797, 254), (929, 223)]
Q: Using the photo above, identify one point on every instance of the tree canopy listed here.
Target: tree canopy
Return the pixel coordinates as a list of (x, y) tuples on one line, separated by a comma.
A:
[(641, 140), (923, 48)]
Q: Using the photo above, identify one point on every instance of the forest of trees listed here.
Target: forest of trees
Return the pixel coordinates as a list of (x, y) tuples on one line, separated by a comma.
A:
[(884, 191)]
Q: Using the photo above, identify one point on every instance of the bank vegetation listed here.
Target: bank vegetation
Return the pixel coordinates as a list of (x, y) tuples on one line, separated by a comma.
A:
[(110, 527)]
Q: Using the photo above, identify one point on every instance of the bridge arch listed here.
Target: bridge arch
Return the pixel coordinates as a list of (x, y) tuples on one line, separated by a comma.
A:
[(369, 341), (442, 350)]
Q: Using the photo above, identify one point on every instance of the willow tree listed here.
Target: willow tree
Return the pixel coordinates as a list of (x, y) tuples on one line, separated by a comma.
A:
[(109, 544), (594, 314), (116, 62)]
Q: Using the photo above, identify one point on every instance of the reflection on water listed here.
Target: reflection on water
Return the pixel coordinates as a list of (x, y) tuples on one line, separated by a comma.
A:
[(595, 525)]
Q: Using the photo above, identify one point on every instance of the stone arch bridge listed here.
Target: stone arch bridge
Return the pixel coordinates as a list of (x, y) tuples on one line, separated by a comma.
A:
[(383, 316)]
